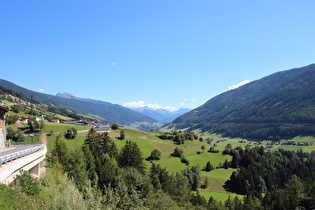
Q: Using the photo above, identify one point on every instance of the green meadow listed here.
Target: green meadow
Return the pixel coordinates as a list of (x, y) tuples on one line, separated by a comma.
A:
[(59, 127), (148, 141)]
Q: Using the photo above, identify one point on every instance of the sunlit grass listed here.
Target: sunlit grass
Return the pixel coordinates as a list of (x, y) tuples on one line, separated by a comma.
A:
[(59, 127)]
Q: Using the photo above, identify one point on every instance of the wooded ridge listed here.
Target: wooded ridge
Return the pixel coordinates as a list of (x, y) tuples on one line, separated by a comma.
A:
[(281, 104)]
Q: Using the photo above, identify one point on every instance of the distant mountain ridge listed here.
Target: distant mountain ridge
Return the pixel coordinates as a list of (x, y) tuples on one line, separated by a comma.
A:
[(108, 111), (66, 95), (286, 97), (161, 115)]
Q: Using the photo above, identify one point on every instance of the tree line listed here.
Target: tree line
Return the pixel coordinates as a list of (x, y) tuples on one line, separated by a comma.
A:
[(271, 173), (270, 131)]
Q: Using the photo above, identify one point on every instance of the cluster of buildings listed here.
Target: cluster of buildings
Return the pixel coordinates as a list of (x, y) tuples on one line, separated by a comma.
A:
[(102, 126), (25, 119), (24, 103)]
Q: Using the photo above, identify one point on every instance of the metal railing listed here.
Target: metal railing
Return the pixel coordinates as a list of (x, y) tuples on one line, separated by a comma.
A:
[(25, 143), (16, 155)]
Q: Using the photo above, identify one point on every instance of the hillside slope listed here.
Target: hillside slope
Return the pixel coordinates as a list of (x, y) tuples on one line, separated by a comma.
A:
[(110, 112), (283, 97)]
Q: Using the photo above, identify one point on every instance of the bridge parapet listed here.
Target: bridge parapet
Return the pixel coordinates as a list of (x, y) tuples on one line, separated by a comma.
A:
[(16, 155), (30, 159)]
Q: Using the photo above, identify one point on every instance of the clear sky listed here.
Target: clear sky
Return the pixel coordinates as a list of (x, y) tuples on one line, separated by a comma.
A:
[(172, 53)]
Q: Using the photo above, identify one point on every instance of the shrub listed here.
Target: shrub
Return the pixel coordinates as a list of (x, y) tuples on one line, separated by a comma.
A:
[(115, 126), (122, 135), (155, 155), (71, 133), (27, 184)]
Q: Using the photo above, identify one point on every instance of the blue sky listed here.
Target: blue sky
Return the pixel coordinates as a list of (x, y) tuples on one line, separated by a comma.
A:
[(165, 54)]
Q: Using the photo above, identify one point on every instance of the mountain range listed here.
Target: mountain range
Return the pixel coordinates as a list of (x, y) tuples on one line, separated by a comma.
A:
[(94, 108), (281, 104), (286, 97), (161, 115)]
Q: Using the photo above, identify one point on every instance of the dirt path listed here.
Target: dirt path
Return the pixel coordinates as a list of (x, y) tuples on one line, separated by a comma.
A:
[(43, 138), (20, 126), (43, 169)]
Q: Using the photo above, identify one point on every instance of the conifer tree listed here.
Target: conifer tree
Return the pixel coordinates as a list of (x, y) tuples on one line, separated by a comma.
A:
[(131, 156)]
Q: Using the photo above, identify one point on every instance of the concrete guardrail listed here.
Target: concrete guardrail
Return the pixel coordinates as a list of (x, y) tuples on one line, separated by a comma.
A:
[(16, 155)]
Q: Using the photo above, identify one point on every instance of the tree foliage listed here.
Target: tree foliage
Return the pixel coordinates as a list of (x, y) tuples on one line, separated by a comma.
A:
[(71, 133), (131, 156), (261, 171), (155, 155)]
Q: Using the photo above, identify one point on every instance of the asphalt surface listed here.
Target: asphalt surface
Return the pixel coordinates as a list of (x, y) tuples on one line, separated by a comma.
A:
[(10, 150)]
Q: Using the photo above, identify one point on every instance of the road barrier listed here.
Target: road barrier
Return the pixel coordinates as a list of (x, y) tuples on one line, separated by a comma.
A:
[(16, 155)]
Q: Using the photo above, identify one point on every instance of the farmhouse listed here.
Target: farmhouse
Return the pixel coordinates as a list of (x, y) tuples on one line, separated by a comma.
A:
[(82, 122), (55, 121), (24, 119), (70, 121), (103, 126), (2, 126)]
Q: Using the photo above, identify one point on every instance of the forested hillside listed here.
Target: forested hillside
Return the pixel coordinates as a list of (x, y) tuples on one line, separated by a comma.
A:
[(279, 105), (109, 112)]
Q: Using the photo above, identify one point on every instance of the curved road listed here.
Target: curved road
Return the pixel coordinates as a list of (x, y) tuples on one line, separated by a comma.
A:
[(10, 150)]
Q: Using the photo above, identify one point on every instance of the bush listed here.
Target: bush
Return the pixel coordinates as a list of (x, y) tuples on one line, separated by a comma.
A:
[(184, 160), (16, 136), (122, 135), (115, 126), (27, 184), (71, 133), (11, 119), (155, 155), (178, 153)]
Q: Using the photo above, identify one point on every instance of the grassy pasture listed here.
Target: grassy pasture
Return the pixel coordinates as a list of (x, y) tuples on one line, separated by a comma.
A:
[(220, 196), (59, 127)]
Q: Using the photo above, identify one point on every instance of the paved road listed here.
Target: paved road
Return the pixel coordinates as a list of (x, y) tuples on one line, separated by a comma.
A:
[(10, 150)]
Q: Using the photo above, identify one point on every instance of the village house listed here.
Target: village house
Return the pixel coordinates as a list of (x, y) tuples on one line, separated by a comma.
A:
[(24, 119), (2, 126), (38, 119), (82, 122), (69, 121), (55, 121), (103, 126)]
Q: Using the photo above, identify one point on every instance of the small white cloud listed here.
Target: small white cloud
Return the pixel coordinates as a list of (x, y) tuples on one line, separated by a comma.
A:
[(239, 84), (135, 104), (191, 99), (138, 104), (154, 106), (182, 104), (194, 99), (170, 108), (114, 64), (41, 90)]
